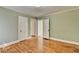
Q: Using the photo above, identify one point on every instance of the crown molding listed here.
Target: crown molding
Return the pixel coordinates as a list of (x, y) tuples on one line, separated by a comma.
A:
[(63, 11)]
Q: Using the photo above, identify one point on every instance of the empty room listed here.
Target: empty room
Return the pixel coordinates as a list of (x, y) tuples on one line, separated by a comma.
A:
[(39, 29)]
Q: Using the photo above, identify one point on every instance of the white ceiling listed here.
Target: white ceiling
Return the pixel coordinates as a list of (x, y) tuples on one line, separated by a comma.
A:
[(38, 11)]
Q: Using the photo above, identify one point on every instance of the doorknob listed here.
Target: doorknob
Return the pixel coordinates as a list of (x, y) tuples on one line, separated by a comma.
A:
[(20, 30)]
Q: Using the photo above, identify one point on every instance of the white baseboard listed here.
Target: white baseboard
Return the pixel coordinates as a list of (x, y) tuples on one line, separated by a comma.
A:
[(13, 42), (45, 37), (66, 41), (61, 40)]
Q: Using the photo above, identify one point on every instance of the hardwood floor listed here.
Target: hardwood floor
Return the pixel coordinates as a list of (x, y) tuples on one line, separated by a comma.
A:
[(49, 46)]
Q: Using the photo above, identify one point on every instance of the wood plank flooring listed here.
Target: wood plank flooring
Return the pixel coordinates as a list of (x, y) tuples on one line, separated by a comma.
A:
[(49, 46)]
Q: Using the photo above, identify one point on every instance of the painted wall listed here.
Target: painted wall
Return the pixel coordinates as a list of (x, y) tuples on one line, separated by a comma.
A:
[(65, 25), (8, 25)]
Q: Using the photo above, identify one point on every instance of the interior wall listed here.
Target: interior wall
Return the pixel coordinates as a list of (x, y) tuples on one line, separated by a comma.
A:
[(62, 25), (8, 25), (65, 25)]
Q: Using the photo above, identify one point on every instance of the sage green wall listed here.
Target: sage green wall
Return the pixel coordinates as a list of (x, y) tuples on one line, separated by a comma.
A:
[(8, 25), (65, 25)]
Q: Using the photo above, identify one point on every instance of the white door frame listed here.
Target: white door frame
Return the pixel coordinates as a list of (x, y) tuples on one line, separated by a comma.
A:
[(40, 28), (32, 26), (46, 28), (22, 27)]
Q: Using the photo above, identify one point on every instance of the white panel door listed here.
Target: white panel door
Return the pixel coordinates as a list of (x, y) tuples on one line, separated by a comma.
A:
[(22, 27), (46, 28), (32, 26)]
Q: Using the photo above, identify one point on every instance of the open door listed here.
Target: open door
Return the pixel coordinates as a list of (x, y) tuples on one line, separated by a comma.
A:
[(32, 26), (22, 27), (46, 28)]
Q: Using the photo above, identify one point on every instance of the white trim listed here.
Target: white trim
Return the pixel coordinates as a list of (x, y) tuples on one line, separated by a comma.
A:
[(45, 37), (40, 28), (62, 11), (32, 25), (46, 27), (66, 41), (10, 43)]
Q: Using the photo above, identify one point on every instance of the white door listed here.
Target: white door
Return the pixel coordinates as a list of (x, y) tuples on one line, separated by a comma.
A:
[(46, 28), (32, 26), (22, 27), (40, 28)]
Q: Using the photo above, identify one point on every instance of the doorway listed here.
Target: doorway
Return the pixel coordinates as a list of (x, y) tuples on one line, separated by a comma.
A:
[(46, 28), (22, 27)]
